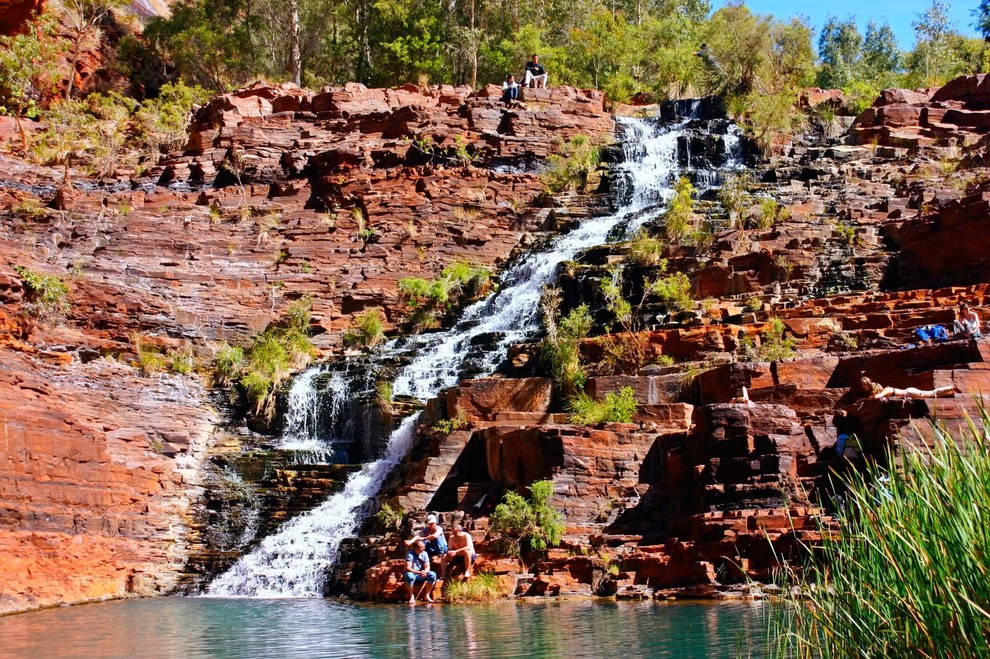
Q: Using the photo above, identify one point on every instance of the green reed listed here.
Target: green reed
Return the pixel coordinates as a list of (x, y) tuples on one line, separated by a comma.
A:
[(907, 571)]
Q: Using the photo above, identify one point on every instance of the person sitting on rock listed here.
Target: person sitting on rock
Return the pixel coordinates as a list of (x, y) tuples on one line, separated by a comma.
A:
[(510, 90), (967, 323), (418, 572), (875, 391), (432, 536), (461, 545), (743, 398), (536, 74)]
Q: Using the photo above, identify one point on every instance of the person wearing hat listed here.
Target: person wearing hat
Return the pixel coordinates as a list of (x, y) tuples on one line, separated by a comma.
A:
[(432, 536)]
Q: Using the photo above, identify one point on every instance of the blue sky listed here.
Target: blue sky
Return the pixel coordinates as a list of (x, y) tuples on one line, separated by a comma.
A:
[(899, 13)]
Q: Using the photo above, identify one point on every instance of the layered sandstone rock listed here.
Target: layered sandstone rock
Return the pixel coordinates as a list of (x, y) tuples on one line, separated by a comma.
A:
[(98, 471)]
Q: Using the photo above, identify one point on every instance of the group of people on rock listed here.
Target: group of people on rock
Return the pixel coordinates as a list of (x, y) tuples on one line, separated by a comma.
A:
[(536, 76), (429, 548), (965, 326)]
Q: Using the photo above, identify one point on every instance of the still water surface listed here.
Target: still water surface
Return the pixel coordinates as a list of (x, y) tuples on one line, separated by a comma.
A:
[(282, 629)]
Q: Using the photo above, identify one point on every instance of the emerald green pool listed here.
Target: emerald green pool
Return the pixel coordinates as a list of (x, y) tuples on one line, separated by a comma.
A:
[(201, 627)]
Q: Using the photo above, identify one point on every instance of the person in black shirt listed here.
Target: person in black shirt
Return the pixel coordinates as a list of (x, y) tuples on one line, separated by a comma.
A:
[(536, 75)]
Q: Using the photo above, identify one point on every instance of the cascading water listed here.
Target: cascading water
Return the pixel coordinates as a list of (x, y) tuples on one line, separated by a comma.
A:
[(308, 403), (294, 561)]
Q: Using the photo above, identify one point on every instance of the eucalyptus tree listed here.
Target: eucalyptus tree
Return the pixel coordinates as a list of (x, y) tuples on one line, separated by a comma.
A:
[(932, 59), (839, 48)]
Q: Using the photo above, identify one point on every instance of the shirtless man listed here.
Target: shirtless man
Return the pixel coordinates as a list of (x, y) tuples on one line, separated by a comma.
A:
[(461, 544)]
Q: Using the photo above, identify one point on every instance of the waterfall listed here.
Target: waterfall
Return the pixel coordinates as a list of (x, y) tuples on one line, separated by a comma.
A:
[(293, 561)]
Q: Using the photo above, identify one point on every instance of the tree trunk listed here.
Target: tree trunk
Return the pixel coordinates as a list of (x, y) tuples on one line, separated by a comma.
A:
[(474, 51), (295, 57), (72, 69), (20, 128)]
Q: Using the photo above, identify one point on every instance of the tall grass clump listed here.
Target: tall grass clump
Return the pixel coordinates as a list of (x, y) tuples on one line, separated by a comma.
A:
[(645, 249), (907, 572), (482, 587), (426, 300), (368, 330), (275, 354)]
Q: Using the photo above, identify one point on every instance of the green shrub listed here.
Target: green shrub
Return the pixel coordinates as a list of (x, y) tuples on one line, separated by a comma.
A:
[(646, 250), (678, 222), (368, 330), (673, 290), (447, 426), (482, 587), (846, 233), (162, 123), (773, 346), (571, 166), (905, 573), (769, 213), (617, 407), (47, 295), (389, 517), (560, 350), (533, 524), (735, 198), (427, 299), (617, 305)]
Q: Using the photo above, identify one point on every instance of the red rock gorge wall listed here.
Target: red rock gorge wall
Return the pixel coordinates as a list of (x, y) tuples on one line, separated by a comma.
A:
[(100, 464)]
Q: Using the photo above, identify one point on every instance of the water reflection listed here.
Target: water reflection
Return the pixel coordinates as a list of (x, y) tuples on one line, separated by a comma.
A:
[(194, 627)]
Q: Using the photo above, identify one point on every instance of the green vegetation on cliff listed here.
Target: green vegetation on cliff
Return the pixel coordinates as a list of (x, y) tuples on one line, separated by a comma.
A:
[(656, 50), (616, 407), (47, 296), (905, 574), (528, 525), (276, 353), (427, 300)]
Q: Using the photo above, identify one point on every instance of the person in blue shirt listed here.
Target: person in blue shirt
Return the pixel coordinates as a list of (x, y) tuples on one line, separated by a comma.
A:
[(418, 572)]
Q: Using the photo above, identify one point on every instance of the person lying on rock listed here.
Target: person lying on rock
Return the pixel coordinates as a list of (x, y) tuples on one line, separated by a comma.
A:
[(510, 90), (418, 572), (461, 545), (432, 536), (966, 324), (875, 391), (536, 74)]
